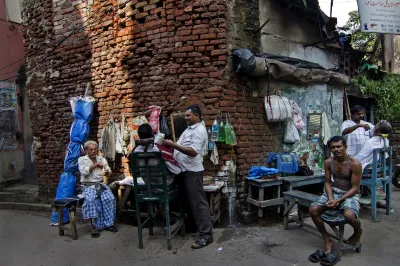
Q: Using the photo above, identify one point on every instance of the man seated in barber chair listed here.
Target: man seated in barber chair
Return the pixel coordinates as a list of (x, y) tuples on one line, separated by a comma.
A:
[(146, 144), (365, 155)]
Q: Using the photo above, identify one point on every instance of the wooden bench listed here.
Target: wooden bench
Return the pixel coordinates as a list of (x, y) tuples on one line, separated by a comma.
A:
[(291, 182), (300, 198), (70, 203)]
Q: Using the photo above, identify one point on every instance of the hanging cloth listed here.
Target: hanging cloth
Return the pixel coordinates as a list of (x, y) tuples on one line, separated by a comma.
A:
[(326, 130), (108, 141)]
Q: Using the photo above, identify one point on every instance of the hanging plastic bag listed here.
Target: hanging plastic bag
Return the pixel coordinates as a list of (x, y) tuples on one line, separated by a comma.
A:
[(297, 116), (291, 133), (278, 108), (154, 119)]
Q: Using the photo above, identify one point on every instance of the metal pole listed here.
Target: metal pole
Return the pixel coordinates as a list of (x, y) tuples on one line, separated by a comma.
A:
[(331, 7)]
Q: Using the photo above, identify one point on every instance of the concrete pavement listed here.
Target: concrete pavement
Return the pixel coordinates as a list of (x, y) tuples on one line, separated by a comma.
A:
[(27, 239)]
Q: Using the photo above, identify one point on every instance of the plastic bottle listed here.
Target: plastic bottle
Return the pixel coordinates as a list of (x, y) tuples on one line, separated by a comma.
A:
[(228, 132), (320, 161), (234, 139), (210, 142), (221, 132), (214, 129), (310, 110)]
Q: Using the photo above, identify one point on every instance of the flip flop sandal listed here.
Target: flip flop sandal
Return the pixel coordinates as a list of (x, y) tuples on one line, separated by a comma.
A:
[(95, 233), (330, 259), (111, 228), (346, 241), (201, 243), (317, 256)]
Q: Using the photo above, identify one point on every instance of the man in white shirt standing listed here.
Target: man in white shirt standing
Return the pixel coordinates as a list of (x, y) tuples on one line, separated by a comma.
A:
[(187, 152), (356, 131)]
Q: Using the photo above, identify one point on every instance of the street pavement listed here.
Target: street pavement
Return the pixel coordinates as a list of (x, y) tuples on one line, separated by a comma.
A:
[(27, 239)]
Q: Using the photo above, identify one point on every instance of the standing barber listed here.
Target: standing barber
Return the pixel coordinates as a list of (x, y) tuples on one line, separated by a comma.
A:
[(356, 131), (187, 152)]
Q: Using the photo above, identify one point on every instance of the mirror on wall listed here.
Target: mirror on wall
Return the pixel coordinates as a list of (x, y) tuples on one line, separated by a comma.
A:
[(314, 126)]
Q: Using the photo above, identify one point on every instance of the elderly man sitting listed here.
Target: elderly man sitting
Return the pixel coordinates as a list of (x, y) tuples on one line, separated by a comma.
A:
[(99, 204)]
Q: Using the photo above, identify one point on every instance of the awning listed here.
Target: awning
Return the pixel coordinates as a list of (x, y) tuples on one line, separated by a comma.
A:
[(285, 69)]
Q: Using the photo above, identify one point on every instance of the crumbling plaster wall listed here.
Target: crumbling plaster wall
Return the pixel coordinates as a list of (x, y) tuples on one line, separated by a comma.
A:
[(287, 33)]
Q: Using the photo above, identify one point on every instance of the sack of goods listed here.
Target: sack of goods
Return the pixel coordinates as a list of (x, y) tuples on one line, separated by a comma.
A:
[(278, 108)]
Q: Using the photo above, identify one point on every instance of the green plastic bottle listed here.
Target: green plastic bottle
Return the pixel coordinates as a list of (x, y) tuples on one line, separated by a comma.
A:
[(228, 132), (221, 132), (320, 161)]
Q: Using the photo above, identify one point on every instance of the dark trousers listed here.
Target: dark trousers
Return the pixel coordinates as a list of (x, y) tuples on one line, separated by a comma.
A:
[(197, 198)]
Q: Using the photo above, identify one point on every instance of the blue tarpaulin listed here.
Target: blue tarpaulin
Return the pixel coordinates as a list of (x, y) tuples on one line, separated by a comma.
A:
[(260, 171), (82, 108)]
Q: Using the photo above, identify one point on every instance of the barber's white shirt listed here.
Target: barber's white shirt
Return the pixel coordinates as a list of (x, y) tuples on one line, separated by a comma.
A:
[(194, 136), (356, 139), (365, 156)]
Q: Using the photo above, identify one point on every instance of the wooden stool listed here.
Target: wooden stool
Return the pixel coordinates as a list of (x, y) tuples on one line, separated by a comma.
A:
[(337, 223), (70, 204), (262, 184)]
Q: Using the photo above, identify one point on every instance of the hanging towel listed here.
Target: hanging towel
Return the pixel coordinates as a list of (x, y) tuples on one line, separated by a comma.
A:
[(214, 155), (326, 130)]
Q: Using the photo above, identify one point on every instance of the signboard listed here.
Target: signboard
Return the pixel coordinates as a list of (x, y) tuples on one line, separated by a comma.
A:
[(381, 16)]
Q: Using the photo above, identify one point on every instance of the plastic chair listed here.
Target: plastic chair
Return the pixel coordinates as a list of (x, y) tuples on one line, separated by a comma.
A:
[(156, 190), (379, 175)]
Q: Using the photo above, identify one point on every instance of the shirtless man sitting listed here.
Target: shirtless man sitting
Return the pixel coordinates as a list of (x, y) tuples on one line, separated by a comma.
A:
[(342, 185)]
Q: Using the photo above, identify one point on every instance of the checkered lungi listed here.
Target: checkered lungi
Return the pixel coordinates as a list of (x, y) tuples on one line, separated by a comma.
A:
[(352, 203), (100, 206)]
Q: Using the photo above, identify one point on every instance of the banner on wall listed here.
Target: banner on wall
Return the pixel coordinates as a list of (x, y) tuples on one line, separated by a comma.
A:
[(380, 16), (8, 116)]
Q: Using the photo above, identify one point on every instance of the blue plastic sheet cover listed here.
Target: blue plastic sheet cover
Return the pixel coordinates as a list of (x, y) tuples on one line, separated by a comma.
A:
[(260, 171), (82, 108)]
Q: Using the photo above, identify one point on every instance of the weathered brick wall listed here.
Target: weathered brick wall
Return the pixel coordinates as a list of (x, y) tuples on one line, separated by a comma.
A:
[(394, 139), (170, 53)]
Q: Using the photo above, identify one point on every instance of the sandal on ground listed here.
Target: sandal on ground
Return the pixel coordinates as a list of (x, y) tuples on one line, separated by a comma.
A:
[(95, 233), (330, 259), (201, 243), (111, 228), (316, 256), (346, 241)]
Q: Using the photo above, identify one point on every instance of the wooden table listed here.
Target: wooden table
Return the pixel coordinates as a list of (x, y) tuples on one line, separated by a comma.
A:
[(262, 184), (291, 182)]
